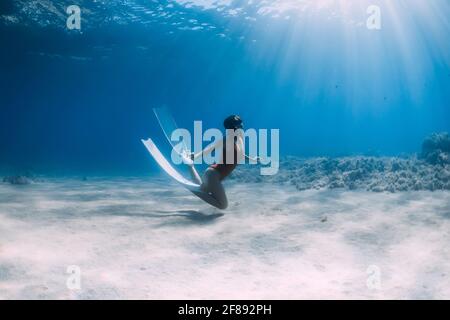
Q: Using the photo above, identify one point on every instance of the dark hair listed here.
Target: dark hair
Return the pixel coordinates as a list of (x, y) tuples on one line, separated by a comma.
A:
[(233, 122)]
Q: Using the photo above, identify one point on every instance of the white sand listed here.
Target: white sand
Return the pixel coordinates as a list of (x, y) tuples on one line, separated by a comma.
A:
[(273, 242)]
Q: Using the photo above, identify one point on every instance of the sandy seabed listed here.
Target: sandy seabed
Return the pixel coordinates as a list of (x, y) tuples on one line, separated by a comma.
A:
[(150, 239)]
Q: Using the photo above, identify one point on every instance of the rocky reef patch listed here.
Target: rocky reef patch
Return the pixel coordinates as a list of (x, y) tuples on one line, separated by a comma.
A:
[(436, 149), (428, 171), (17, 180)]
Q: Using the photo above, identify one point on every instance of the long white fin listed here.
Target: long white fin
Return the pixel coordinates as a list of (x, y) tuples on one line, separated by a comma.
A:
[(168, 125), (167, 167)]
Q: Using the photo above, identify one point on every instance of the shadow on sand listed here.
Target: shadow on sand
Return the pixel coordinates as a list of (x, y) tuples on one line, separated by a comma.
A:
[(189, 214)]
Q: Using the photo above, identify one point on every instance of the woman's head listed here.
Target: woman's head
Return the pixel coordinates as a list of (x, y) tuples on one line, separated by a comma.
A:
[(233, 122)]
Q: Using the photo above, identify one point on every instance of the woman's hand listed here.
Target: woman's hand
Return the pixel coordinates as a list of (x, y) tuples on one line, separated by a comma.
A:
[(188, 158), (256, 159)]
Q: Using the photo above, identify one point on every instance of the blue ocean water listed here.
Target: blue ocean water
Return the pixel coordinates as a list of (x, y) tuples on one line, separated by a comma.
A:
[(80, 100)]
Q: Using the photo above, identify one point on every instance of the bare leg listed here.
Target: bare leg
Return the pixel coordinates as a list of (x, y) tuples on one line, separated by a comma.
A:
[(195, 176), (213, 191)]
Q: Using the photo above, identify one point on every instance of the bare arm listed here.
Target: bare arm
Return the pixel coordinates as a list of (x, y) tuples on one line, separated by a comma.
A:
[(208, 149), (251, 158)]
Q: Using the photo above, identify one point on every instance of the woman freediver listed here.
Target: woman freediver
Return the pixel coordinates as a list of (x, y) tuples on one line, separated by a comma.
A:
[(232, 145)]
